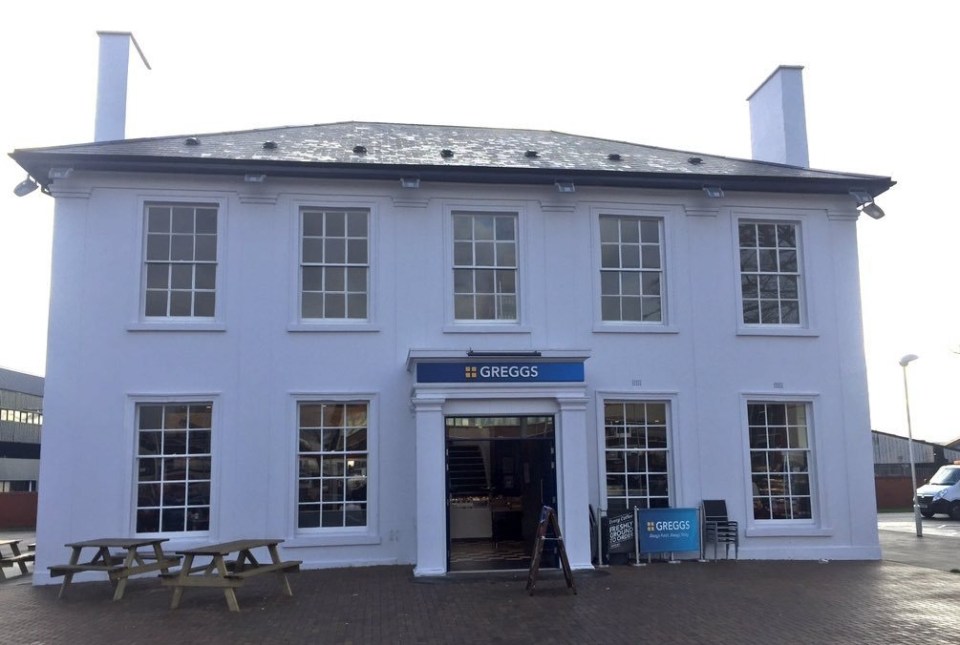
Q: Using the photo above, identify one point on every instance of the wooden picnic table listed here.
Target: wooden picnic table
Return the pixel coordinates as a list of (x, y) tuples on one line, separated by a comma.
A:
[(227, 574), (118, 566), (16, 558)]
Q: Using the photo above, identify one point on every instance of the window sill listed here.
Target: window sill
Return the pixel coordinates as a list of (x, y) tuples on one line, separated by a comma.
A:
[(177, 325), (773, 330), (306, 541), (491, 328), (634, 328), (325, 327), (785, 530)]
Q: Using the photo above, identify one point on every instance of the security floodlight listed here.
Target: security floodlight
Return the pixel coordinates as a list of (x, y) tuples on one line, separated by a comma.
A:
[(25, 187)]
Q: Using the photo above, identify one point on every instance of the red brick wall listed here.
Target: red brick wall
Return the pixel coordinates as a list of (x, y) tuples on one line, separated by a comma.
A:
[(894, 492), (18, 510)]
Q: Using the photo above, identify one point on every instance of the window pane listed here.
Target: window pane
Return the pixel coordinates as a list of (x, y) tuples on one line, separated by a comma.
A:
[(357, 225), (650, 231), (334, 305), (183, 220), (651, 257), (335, 250), (158, 276), (336, 225), (158, 247), (203, 304), (206, 276), (312, 278), (206, 248), (158, 219), (181, 303)]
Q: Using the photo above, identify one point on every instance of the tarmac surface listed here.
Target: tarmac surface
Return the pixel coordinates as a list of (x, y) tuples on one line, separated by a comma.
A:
[(910, 597)]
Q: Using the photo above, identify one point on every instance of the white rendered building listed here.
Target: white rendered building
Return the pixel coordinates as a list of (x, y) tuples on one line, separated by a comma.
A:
[(394, 343)]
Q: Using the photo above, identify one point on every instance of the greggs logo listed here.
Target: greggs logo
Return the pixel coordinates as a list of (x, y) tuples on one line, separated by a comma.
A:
[(502, 371), (672, 525)]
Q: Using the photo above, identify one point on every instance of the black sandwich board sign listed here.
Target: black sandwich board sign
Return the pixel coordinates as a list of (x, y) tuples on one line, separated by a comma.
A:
[(621, 532)]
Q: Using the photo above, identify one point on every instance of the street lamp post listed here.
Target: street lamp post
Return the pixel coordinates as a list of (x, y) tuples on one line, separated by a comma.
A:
[(906, 360)]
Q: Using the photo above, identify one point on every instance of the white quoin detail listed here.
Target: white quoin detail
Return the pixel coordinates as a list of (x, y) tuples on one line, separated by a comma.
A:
[(778, 123), (111, 117)]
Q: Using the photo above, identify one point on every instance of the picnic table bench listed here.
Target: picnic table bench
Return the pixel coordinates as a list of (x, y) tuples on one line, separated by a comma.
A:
[(118, 566), (227, 574), (16, 558)]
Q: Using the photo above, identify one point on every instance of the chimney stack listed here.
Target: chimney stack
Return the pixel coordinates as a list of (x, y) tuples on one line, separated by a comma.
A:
[(778, 123), (112, 83)]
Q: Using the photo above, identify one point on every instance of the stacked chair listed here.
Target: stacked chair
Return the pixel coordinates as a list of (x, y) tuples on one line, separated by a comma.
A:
[(718, 528)]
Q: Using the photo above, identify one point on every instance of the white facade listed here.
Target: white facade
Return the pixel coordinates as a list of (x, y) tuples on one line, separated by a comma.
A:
[(255, 359)]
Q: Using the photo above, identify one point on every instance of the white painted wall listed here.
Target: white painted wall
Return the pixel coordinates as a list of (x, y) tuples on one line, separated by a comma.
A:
[(256, 360)]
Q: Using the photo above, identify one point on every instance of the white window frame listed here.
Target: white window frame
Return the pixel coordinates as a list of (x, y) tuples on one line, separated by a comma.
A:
[(453, 325), (216, 442), (334, 203), (775, 216), (669, 216), (814, 526), (142, 322), (671, 401), (335, 536)]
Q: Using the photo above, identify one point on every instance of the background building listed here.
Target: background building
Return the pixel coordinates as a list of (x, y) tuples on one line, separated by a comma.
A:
[(891, 464), (21, 422)]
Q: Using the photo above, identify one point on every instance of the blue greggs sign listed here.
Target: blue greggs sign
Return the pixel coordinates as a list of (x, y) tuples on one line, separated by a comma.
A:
[(669, 530), (500, 372)]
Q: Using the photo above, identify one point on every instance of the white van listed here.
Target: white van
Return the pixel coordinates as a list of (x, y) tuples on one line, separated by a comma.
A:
[(942, 493)]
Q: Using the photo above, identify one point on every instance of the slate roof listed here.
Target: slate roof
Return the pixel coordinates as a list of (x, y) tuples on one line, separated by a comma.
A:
[(438, 153)]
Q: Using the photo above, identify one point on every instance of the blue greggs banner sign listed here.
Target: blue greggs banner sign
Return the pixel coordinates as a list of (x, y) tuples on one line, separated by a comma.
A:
[(669, 530), (486, 371)]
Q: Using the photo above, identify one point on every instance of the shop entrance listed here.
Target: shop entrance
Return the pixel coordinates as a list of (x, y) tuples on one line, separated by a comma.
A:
[(501, 471)]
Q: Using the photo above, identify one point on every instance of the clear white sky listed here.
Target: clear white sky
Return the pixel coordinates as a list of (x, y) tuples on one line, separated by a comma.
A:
[(881, 83)]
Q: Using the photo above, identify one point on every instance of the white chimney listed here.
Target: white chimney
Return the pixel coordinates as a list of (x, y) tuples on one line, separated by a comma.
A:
[(112, 83), (778, 123)]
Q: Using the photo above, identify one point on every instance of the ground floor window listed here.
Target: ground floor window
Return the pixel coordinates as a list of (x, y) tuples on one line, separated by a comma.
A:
[(18, 486), (173, 467), (637, 460), (780, 460), (333, 464)]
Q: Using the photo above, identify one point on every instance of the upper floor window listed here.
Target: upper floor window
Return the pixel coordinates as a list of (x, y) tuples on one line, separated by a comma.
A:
[(334, 264), (631, 269), (485, 266), (770, 278), (180, 261)]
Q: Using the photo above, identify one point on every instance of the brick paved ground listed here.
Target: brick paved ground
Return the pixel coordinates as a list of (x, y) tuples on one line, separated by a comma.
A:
[(722, 602)]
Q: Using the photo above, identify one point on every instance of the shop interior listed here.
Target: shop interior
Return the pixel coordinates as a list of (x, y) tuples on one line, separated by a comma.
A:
[(501, 471)]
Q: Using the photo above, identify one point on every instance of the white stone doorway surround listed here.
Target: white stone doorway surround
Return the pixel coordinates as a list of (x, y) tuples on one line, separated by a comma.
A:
[(432, 402)]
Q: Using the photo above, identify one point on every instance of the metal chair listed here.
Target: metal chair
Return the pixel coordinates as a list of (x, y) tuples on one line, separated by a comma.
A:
[(718, 528)]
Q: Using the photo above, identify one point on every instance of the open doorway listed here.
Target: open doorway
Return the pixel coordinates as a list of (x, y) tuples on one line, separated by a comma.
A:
[(501, 471)]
